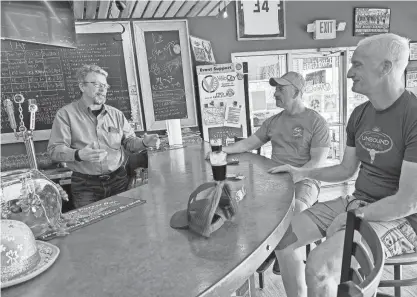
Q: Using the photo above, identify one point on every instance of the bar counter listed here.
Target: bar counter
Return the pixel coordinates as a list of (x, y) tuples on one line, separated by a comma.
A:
[(137, 253)]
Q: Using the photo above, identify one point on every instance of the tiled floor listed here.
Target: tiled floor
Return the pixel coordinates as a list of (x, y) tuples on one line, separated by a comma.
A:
[(273, 283)]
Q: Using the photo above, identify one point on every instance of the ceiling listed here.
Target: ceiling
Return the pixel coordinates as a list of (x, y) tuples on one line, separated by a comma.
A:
[(145, 9)]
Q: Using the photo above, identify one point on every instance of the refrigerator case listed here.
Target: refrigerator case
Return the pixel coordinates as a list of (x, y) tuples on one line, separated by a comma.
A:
[(222, 102)]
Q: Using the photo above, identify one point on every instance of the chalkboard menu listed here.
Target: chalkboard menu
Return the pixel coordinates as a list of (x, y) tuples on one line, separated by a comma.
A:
[(48, 22), (47, 74), (166, 75)]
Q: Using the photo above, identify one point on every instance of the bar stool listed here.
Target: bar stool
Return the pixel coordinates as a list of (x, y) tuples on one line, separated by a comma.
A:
[(398, 282), (137, 169)]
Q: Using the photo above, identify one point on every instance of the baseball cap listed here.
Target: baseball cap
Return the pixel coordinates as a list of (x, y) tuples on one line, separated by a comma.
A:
[(289, 78), (209, 207)]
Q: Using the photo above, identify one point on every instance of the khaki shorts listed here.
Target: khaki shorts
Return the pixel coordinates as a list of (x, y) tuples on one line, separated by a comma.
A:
[(307, 191), (398, 237)]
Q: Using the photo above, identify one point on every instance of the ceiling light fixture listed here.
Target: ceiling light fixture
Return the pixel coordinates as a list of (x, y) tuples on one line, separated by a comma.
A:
[(223, 12)]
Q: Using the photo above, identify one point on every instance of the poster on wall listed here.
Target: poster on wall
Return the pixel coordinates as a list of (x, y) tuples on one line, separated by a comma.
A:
[(371, 21), (203, 52), (411, 79), (413, 51), (222, 101), (260, 20)]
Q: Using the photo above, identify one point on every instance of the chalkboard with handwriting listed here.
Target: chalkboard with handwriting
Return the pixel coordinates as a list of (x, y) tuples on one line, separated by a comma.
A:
[(47, 22), (47, 74), (166, 75)]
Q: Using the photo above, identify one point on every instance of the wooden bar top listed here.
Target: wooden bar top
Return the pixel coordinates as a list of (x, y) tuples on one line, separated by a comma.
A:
[(137, 253)]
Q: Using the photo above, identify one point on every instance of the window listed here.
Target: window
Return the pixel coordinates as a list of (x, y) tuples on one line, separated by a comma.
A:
[(261, 95), (323, 93)]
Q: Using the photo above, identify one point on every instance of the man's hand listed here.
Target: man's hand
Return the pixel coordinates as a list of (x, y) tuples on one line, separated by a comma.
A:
[(297, 174), (339, 223), (92, 154), (64, 194), (151, 140)]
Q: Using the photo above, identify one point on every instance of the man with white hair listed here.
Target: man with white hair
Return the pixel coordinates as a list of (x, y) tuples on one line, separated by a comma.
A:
[(90, 136), (382, 139)]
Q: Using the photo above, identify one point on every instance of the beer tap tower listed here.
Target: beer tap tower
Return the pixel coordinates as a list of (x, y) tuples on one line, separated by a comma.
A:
[(26, 134)]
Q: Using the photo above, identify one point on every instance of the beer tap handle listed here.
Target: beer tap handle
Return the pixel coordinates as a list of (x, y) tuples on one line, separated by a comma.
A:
[(8, 104), (33, 108)]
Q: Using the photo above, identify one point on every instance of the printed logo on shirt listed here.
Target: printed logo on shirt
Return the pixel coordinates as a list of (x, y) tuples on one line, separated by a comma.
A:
[(298, 132), (375, 142)]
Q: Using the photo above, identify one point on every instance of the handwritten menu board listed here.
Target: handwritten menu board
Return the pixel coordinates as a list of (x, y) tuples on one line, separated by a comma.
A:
[(47, 74), (166, 75)]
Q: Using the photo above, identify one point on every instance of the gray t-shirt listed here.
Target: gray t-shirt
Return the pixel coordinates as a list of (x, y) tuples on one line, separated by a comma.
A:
[(383, 139), (292, 136)]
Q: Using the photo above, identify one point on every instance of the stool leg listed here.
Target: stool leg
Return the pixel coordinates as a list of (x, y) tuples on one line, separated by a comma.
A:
[(397, 276), (261, 280)]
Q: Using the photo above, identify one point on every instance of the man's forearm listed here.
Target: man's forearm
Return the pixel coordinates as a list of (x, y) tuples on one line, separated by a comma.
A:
[(244, 145), (238, 147), (315, 163), (134, 144), (61, 153), (311, 164), (330, 174), (390, 208)]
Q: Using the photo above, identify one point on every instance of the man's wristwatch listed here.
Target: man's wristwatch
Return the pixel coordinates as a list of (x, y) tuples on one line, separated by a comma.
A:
[(77, 156), (143, 142)]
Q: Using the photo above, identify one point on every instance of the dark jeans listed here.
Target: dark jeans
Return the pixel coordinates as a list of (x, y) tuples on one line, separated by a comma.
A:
[(85, 190)]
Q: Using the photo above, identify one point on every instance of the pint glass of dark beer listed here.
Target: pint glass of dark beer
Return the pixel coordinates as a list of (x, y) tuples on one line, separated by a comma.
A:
[(216, 145), (218, 165)]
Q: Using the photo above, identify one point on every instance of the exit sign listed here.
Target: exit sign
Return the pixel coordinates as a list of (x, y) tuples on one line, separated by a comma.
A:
[(325, 29)]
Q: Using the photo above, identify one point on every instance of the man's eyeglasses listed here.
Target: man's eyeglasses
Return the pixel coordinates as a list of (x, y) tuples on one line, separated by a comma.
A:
[(98, 85)]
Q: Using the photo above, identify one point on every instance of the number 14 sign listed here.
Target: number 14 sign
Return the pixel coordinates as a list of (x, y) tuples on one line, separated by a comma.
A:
[(258, 19)]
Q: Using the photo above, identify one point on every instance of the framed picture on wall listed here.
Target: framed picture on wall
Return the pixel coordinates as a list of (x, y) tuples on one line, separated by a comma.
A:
[(371, 21), (202, 49), (411, 78), (165, 71), (413, 51), (260, 20)]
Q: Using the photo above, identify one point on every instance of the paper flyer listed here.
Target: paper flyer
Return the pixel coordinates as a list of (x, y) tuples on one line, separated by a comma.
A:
[(213, 115), (232, 115), (222, 99)]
